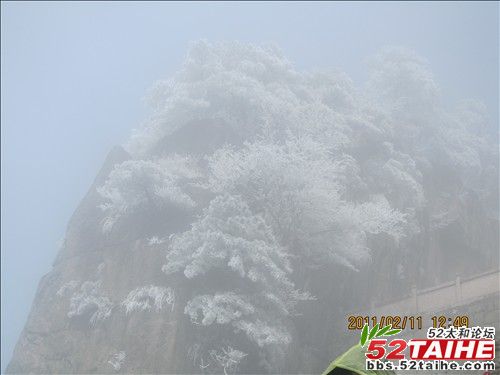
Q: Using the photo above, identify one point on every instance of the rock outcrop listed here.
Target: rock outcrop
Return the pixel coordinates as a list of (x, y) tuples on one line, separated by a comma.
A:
[(78, 324)]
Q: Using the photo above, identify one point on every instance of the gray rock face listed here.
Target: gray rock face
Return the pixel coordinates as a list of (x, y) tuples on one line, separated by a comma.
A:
[(85, 319), (77, 323)]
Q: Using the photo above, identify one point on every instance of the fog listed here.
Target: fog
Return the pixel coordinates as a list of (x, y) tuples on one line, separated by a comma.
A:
[(78, 77)]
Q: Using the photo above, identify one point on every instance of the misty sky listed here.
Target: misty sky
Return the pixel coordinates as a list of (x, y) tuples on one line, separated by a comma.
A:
[(74, 74)]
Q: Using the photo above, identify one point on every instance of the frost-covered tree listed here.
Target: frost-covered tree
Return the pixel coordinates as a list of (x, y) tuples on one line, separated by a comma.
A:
[(145, 185), (241, 273), (148, 298), (298, 187), (90, 303)]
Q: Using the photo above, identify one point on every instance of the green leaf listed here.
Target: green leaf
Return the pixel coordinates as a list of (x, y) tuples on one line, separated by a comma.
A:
[(392, 332), (373, 332), (383, 330), (364, 335)]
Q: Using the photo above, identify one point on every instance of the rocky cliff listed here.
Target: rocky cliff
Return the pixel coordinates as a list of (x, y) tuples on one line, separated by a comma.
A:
[(249, 216), (100, 272)]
